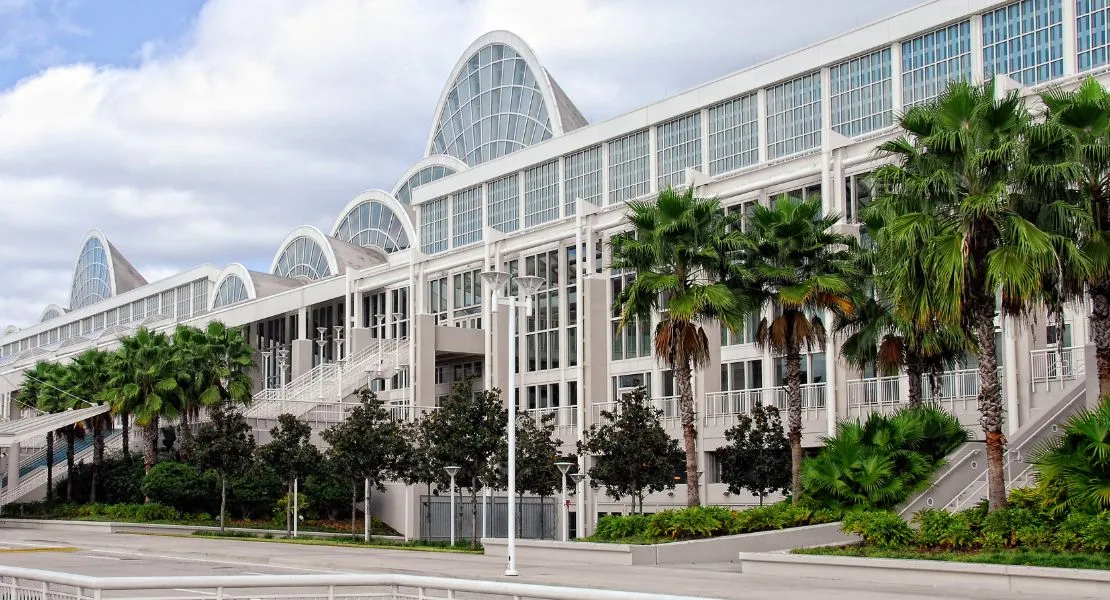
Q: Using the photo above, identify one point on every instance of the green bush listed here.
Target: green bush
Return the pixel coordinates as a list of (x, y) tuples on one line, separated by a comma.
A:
[(120, 478), (181, 486), (878, 528), (614, 527), (1096, 536), (1010, 527), (942, 529), (689, 523), (1070, 534), (1076, 466), (879, 463)]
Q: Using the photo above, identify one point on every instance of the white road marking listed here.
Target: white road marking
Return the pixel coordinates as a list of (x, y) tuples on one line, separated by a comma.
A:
[(221, 562), (102, 557), (254, 573)]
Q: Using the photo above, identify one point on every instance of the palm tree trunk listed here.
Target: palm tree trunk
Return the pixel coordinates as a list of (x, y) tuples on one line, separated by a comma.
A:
[(990, 407), (71, 435), (913, 374), (474, 513), (186, 436), (125, 429), (150, 444), (689, 431), (223, 500), (1100, 331), (50, 466), (794, 420), (98, 455)]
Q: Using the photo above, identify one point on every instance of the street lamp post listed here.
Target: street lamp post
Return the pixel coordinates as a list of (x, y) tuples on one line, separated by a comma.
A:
[(563, 509), (451, 473), (266, 369), (322, 343), (485, 496), (527, 286), (282, 355), (577, 478), (339, 341)]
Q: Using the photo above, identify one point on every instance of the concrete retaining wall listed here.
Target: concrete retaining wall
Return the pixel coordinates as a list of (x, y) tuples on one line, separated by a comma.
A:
[(147, 528), (712, 550), (1034, 581)]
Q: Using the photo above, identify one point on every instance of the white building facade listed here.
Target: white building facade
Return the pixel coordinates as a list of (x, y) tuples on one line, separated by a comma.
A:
[(514, 179)]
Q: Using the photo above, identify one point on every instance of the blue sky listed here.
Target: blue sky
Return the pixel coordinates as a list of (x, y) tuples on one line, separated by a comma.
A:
[(35, 34), (195, 132)]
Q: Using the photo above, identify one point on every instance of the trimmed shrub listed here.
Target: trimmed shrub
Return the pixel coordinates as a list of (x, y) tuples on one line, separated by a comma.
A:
[(1069, 535), (613, 527), (688, 523), (1096, 535), (181, 486), (878, 528), (942, 529)]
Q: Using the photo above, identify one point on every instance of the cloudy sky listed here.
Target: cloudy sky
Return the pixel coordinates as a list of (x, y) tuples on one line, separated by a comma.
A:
[(196, 132)]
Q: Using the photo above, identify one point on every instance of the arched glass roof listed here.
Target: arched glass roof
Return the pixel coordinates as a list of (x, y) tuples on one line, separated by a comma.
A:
[(52, 311), (426, 175), (372, 223), (302, 258), (230, 291), (495, 106), (92, 279)]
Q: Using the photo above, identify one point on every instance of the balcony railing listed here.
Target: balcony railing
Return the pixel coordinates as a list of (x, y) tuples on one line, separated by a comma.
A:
[(722, 406), (1053, 365), (957, 391)]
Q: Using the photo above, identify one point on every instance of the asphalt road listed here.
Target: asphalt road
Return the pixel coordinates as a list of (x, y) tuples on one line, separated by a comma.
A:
[(150, 555)]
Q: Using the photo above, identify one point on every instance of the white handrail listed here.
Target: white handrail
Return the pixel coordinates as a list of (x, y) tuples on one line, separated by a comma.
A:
[(31, 481)]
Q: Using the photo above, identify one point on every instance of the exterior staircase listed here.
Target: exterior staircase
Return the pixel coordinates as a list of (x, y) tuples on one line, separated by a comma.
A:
[(35, 478), (327, 385)]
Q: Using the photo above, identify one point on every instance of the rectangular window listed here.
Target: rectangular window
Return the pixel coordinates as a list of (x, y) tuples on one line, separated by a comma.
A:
[(183, 302), (794, 116), (1091, 40), (624, 384), (734, 135), (503, 204), (541, 194), (1025, 41), (438, 299), (378, 316), (400, 298), (634, 339), (543, 330), (932, 60), (679, 147), (200, 297), (746, 335), (167, 304), (582, 178), (861, 98), (468, 299), (433, 226), (467, 212), (629, 167), (857, 195)]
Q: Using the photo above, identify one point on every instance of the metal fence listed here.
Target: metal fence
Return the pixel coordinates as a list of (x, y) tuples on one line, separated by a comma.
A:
[(32, 584), (536, 519)]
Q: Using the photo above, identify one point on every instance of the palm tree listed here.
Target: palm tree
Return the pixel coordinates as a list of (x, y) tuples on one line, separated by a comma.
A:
[(1075, 467), (678, 248), (88, 377), (216, 365), (1082, 118), (146, 386), (794, 261), (954, 196), (42, 390)]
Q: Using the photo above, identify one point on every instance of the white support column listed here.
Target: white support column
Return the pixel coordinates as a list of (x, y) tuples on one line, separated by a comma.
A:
[(832, 353), (761, 122), (302, 323), (1071, 60), (1010, 377), (704, 141), (896, 78), (977, 48), (653, 164)]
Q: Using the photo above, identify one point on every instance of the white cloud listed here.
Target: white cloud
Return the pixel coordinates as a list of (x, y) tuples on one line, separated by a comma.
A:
[(269, 114)]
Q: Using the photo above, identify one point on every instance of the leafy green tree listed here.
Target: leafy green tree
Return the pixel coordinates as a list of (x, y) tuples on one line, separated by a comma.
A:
[(537, 452), (879, 463), (145, 384), (181, 486), (757, 458), (291, 455), (467, 431), (795, 262), (256, 491), (89, 376), (1075, 467), (954, 196), (367, 446), (419, 464), (678, 248), (225, 445), (1077, 122), (632, 453)]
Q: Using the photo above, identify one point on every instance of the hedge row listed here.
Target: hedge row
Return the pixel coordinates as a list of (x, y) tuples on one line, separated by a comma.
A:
[(707, 521)]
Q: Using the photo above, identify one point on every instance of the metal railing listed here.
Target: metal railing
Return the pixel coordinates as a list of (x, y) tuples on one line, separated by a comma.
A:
[(958, 391), (37, 478), (1053, 365), (565, 416), (721, 406), (865, 395), (22, 583)]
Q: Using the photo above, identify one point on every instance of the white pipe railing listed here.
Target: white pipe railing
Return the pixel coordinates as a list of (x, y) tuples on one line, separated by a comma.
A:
[(37, 478), (1053, 365), (33, 583)]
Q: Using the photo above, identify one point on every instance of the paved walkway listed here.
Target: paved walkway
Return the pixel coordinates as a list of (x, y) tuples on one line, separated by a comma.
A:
[(150, 555)]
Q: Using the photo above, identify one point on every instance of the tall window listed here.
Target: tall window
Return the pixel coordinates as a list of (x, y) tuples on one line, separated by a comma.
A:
[(857, 194), (467, 211), (183, 301), (400, 325), (543, 396), (742, 375), (794, 116), (433, 226), (679, 143), (1025, 41), (503, 204), (541, 194), (813, 369), (932, 60), (573, 268), (629, 167), (468, 299), (745, 335), (542, 339), (634, 340), (734, 134), (861, 95), (378, 315), (438, 299), (582, 178), (624, 384), (200, 297), (1091, 40)]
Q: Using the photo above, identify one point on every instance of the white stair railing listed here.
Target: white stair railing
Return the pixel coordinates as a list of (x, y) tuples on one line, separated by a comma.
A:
[(37, 478)]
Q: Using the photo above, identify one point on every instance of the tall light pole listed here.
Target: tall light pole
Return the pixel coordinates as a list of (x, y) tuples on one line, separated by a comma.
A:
[(497, 283), (339, 363), (451, 473), (266, 369), (322, 343), (282, 355), (578, 477), (564, 510)]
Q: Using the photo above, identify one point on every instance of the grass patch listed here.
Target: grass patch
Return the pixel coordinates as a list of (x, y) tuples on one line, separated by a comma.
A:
[(352, 542), (1016, 556)]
